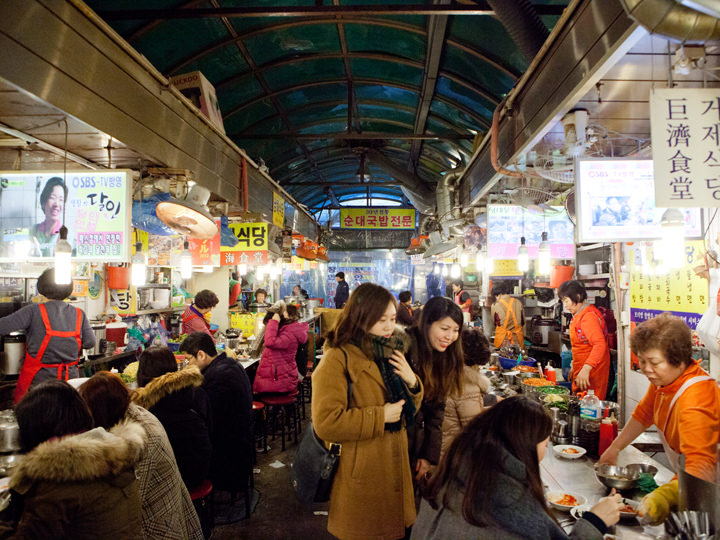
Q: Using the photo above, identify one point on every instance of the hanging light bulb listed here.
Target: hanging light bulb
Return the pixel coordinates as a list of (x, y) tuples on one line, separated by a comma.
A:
[(455, 271), (479, 260), (207, 269), (444, 271), (138, 272), (489, 265), (186, 262), (242, 269), (464, 259), (436, 269), (672, 245), (259, 272), (63, 255), (544, 256), (523, 257)]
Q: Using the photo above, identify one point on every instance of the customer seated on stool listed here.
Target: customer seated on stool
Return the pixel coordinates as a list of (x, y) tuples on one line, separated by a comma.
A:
[(228, 389)]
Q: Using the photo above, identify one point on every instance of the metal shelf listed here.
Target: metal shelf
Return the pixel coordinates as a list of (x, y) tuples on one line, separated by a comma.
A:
[(594, 276), (590, 247), (151, 311), (155, 286)]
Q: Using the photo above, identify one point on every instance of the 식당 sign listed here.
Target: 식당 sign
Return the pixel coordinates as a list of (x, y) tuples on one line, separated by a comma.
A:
[(685, 130), (377, 218), (94, 203), (252, 245)]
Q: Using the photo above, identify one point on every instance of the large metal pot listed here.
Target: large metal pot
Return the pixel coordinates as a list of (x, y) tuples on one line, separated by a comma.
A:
[(9, 436), (100, 331), (14, 347)]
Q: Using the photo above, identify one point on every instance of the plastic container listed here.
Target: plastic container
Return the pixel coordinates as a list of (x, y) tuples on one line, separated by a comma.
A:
[(606, 435), (560, 274), (118, 277), (591, 407)]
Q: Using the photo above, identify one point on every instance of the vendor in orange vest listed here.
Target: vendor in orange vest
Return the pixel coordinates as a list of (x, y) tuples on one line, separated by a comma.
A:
[(196, 318), (588, 339), (507, 316), (53, 348), (683, 402), (462, 298)]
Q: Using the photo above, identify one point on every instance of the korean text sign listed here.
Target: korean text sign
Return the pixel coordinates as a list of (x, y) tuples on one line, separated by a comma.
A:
[(685, 129), (252, 245), (205, 252), (278, 210), (95, 206), (505, 227), (377, 218)]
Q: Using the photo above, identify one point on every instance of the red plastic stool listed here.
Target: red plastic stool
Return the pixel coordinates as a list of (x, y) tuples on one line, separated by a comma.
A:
[(261, 435), (202, 501), (282, 414)]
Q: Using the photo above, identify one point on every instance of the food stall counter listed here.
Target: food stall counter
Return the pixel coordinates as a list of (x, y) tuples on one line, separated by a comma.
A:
[(577, 477)]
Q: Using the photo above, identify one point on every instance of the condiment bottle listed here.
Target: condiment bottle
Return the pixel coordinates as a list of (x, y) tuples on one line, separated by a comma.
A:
[(606, 435)]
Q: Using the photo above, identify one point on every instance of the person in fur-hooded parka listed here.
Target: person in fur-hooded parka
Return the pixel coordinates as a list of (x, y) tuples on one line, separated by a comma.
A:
[(80, 487), (177, 400)]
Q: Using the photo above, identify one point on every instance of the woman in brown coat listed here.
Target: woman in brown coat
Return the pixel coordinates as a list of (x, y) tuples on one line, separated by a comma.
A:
[(372, 495)]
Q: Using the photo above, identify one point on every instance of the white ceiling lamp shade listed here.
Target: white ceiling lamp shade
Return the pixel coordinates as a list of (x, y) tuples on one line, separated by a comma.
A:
[(523, 256), (189, 216), (186, 262), (544, 256), (672, 245), (138, 271), (63, 256)]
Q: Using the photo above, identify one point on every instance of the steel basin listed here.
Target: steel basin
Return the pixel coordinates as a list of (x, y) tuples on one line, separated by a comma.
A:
[(614, 476)]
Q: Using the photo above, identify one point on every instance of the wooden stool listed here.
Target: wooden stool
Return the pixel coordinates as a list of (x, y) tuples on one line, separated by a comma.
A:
[(260, 431), (282, 414), (202, 501)]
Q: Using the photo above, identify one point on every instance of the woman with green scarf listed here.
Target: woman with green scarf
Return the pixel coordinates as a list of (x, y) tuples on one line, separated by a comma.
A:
[(372, 494)]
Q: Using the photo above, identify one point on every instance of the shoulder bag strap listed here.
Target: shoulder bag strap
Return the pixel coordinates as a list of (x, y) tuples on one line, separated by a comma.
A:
[(349, 381)]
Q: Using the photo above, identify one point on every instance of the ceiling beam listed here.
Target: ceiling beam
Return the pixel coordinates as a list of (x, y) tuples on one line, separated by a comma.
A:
[(355, 136), (331, 195), (307, 11), (335, 183)]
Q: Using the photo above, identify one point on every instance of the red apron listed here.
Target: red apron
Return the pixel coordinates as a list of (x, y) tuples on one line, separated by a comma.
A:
[(32, 365), (194, 314)]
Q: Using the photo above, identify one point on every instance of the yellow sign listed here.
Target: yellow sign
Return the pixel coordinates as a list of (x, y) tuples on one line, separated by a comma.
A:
[(278, 210), (80, 287), (506, 268), (246, 322), (377, 218), (122, 301), (679, 291)]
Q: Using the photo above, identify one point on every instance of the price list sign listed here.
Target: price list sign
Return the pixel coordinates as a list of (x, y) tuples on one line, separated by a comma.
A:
[(685, 129)]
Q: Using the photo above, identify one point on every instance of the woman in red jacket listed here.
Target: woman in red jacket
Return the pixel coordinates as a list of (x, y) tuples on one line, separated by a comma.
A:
[(278, 372), (588, 337), (194, 318)]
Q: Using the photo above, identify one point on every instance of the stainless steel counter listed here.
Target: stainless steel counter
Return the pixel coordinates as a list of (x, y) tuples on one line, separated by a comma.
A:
[(577, 477)]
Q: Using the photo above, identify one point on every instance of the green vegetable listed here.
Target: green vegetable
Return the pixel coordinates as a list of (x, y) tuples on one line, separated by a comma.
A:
[(553, 390)]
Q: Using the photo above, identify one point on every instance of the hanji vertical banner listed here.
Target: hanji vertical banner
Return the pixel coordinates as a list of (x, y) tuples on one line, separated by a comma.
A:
[(685, 130)]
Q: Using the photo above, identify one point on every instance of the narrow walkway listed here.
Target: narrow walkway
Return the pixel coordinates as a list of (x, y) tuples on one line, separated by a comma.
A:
[(278, 515)]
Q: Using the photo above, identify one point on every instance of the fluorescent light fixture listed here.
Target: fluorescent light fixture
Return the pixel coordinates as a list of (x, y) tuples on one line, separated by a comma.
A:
[(444, 271), (672, 245), (63, 256), (242, 269), (139, 266), (523, 257), (455, 271), (436, 269), (544, 256), (464, 259), (479, 260), (489, 265), (186, 262), (259, 272)]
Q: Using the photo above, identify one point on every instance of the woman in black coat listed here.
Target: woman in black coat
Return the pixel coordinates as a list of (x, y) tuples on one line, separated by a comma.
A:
[(176, 399)]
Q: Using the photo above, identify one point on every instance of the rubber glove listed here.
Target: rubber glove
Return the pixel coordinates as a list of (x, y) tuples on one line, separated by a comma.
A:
[(657, 506)]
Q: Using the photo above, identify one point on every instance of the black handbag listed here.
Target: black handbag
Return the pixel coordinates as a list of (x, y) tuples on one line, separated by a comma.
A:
[(314, 467)]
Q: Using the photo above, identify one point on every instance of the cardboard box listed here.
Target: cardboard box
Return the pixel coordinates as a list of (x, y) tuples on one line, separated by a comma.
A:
[(198, 89)]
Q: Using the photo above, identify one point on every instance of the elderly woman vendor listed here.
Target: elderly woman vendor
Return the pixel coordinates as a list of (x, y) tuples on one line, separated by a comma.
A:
[(683, 401)]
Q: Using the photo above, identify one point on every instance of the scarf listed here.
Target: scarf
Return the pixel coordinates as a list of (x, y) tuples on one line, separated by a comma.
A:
[(382, 349)]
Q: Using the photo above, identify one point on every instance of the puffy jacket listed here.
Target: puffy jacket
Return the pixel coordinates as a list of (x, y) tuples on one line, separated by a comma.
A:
[(81, 487), (460, 409), (278, 371), (181, 407)]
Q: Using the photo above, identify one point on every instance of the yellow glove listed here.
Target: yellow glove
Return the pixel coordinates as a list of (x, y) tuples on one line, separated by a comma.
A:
[(657, 506)]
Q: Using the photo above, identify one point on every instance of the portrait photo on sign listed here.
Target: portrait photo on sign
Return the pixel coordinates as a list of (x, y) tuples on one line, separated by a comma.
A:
[(93, 206)]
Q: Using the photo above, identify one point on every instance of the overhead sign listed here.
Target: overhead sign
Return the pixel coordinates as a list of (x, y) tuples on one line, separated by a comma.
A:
[(681, 292), (685, 130), (94, 205), (205, 252), (377, 218), (252, 245), (507, 223), (278, 210)]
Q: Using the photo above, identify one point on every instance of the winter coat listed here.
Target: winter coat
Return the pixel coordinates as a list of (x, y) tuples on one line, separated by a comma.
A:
[(228, 388), (519, 515), (181, 407), (342, 293), (194, 321), (425, 437), (278, 370), (404, 315), (167, 511), (81, 487), (372, 494), (460, 409)]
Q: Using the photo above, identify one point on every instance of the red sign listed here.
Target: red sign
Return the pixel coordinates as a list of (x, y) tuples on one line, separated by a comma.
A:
[(205, 252), (231, 258)]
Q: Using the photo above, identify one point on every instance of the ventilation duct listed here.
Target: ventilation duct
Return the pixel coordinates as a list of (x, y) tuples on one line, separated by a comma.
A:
[(413, 187), (522, 22), (670, 19), (447, 216)]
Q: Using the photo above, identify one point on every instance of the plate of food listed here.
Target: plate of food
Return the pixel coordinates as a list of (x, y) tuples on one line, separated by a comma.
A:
[(578, 511), (569, 451), (564, 501), (629, 509)]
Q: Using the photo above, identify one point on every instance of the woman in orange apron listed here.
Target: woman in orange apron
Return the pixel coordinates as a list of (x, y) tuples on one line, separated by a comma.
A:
[(683, 401), (53, 348), (588, 338), (508, 317)]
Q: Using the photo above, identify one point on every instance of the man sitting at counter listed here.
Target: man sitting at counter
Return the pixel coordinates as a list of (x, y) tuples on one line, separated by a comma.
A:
[(52, 349), (196, 316)]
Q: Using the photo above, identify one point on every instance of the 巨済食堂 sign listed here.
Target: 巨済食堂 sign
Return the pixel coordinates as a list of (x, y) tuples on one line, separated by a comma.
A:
[(92, 204)]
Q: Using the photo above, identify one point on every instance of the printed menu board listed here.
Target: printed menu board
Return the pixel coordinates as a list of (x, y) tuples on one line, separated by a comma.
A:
[(94, 205)]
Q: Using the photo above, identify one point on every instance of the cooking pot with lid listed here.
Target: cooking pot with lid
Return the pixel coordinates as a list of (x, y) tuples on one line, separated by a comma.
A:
[(9, 436), (13, 353)]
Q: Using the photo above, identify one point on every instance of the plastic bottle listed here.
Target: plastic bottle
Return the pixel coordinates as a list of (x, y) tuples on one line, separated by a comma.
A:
[(590, 420), (606, 435)]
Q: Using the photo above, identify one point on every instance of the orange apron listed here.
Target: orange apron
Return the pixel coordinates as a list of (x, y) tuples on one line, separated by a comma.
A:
[(582, 349), (33, 364), (514, 336)]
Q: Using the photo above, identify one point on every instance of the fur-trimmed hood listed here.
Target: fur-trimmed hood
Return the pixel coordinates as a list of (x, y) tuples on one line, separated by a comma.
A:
[(86, 456), (161, 387)]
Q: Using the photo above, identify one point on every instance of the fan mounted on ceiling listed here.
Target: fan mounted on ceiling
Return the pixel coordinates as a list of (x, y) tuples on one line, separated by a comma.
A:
[(189, 216), (570, 206)]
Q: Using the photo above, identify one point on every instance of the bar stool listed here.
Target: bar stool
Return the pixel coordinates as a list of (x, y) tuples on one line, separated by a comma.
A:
[(258, 408), (282, 415), (201, 498)]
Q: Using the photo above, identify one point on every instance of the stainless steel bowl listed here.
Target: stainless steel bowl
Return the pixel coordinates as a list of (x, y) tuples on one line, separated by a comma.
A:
[(616, 477), (9, 436), (509, 377), (8, 463), (642, 468)]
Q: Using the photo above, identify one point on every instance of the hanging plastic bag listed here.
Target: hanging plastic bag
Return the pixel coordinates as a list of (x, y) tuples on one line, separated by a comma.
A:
[(708, 329), (145, 218)]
